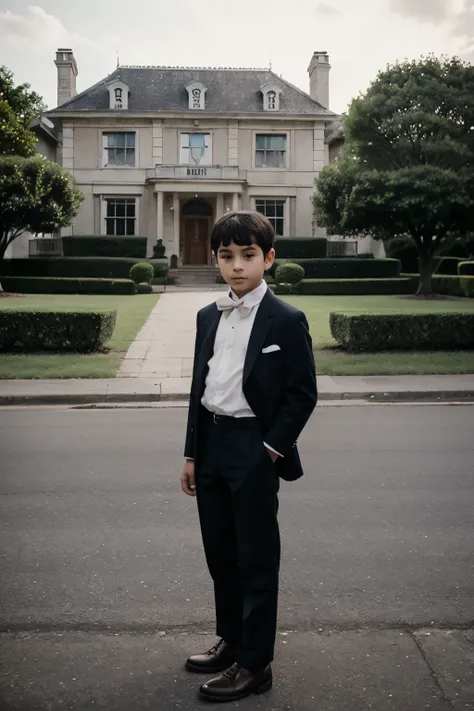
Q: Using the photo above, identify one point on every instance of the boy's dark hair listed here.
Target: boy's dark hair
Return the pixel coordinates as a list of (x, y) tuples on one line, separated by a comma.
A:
[(243, 228)]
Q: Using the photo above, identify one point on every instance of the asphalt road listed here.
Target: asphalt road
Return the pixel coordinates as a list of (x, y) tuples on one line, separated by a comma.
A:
[(103, 575)]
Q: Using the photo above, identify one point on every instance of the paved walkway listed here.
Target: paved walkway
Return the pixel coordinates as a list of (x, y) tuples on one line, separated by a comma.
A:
[(164, 347)]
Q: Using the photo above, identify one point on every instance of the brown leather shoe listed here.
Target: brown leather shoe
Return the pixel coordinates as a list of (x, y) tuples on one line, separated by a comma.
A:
[(236, 683), (221, 656)]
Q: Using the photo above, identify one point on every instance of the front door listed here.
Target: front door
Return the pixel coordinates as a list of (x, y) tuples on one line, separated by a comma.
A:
[(196, 238)]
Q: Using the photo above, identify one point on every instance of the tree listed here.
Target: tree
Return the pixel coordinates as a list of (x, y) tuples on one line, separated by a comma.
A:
[(35, 196), (407, 166), (18, 107)]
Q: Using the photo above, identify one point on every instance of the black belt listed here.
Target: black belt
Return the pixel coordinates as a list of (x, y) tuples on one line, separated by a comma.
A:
[(226, 419)]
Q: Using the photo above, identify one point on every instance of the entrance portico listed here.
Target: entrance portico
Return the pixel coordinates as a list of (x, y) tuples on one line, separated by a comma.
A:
[(193, 203)]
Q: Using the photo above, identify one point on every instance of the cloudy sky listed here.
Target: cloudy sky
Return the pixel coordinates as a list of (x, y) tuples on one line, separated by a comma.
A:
[(361, 37)]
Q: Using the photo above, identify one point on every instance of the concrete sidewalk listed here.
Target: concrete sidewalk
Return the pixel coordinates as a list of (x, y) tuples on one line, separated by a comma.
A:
[(375, 388)]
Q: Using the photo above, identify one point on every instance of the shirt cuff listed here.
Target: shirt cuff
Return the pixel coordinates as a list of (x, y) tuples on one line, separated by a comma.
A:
[(273, 450), (189, 459)]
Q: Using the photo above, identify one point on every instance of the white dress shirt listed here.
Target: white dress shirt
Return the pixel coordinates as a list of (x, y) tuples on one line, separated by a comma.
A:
[(223, 392)]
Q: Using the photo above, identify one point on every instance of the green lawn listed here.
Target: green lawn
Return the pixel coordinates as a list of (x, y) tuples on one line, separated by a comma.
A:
[(332, 360), (132, 312)]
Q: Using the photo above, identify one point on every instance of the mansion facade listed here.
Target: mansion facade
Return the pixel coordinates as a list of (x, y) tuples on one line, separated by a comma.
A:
[(163, 152)]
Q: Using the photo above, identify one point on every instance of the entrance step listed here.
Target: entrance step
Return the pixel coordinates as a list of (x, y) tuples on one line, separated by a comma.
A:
[(190, 275)]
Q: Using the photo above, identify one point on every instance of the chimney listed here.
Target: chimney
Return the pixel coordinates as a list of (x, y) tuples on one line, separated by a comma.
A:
[(67, 73), (318, 71)]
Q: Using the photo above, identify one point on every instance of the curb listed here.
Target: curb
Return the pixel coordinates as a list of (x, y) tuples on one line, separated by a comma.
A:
[(98, 398)]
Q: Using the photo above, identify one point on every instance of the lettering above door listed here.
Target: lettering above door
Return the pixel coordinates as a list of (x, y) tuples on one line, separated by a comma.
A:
[(197, 172)]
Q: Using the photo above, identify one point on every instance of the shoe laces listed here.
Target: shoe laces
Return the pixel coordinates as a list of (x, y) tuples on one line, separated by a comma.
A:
[(216, 648), (232, 672)]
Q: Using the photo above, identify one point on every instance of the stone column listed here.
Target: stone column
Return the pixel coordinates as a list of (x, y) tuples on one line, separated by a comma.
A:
[(235, 201), (219, 205), (176, 225), (159, 215)]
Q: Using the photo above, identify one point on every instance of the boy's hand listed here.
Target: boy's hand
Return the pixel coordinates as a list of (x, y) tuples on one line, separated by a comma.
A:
[(188, 484)]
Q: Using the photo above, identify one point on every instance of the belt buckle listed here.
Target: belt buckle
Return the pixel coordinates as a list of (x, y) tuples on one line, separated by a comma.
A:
[(215, 418)]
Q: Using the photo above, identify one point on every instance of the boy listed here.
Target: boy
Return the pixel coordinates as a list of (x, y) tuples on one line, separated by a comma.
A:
[(253, 390)]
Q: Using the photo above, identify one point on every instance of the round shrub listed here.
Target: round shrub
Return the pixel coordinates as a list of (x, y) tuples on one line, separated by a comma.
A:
[(144, 288), (142, 273), (289, 273)]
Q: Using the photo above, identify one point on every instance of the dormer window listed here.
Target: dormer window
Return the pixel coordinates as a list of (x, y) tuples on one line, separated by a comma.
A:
[(118, 95), (271, 97), (197, 95)]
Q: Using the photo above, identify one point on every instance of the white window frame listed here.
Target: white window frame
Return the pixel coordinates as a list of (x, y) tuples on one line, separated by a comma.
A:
[(210, 147), (271, 133), (200, 103), (286, 210), (266, 90), (123, 104), (104, 165), (103, 216)]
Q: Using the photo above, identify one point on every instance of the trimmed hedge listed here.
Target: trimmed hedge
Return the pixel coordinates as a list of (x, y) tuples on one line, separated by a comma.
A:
[(104, 246), (54, 285), (55, 331), (144, 288), (301, 247), (467, 283), (345, 268), (289, 273), (142, 273), (90, 267), (447, 284), (466, 268), (382, 332), (359, 287), (446, 265), (404, 249)]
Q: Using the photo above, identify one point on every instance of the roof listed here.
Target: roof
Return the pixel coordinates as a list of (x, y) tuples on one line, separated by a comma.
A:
[(164, 89), (42, 125), (334, 132)]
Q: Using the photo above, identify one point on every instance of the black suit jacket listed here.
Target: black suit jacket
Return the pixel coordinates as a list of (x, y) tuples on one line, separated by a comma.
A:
[(280, 386)]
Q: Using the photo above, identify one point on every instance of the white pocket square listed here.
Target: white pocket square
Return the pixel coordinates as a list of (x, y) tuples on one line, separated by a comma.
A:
[(271, 349)]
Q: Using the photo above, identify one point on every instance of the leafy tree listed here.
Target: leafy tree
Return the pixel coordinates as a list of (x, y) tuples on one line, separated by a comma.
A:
[(35, 196), (18, 106), (407, 166)]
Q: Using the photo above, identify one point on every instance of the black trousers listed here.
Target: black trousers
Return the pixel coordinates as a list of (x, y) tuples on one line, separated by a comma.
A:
[(237, 496)]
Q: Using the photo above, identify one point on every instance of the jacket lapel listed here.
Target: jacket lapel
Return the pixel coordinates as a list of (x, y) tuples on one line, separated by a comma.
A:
[(259, 332), (207, 350)]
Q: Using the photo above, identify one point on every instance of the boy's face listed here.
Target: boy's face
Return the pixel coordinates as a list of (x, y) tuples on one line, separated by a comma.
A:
[(243, 267)]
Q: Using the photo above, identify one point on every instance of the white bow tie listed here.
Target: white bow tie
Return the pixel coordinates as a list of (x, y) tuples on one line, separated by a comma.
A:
[(227, 304)]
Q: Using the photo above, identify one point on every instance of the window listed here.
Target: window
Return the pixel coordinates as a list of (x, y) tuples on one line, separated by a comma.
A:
[(196, 149), (120, 216), (196, 95), (118, 98), (118, 94), (270, 150), (119, 149), (271, 96), (275, 211)]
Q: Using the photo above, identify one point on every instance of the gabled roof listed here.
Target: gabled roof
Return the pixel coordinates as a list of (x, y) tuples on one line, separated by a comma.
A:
[(164, 89), (334, 131), (43, 126)]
